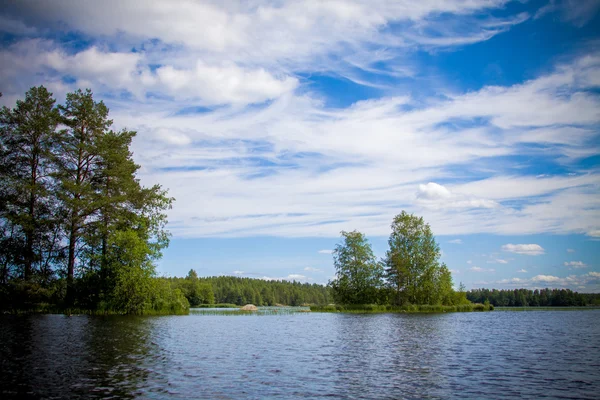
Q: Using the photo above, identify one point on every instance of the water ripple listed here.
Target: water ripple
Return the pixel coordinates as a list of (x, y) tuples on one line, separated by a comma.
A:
[(461, 355)]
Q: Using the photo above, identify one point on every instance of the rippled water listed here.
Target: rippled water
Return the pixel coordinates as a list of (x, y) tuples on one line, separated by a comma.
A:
[(459, 355)]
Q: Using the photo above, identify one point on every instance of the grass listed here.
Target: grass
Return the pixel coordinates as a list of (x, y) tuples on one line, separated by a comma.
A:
[(573, 308), (52, 309), (410, 308), (219, 305)]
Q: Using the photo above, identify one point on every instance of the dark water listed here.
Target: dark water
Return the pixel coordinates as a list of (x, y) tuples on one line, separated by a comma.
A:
[(461, 355)]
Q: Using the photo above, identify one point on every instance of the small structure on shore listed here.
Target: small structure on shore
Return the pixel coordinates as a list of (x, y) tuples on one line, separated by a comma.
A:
[(249, 307)]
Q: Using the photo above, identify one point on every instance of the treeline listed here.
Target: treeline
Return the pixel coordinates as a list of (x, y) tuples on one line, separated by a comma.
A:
[(534, 298), (410, 273), (241, 291), (77, 229)]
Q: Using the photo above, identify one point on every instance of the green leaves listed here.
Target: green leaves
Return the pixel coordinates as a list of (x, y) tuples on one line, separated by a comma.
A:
[(412, 272), (359, 275), (28, 139), (73, 192), (412, 262)]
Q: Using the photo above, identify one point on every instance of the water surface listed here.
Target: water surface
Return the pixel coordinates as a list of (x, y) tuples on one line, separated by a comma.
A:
[(303, 355)]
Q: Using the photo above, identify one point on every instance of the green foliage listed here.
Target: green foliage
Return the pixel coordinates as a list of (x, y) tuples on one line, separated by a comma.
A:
[(71, 197), (407, 308), (28, 228), (236, 291), (412, 263), (195, 291), (533, 298), (359, 277)]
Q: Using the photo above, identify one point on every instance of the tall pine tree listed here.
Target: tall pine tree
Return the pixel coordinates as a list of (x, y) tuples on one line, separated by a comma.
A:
[(29, 137)]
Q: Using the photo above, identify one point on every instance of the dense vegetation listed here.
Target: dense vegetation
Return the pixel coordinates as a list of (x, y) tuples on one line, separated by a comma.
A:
[(77, 230), (410, 273), (534, 298), (240, 291)]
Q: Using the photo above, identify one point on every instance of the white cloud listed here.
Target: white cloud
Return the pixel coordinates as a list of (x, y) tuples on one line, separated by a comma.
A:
[(479, 269), (325, 251), (497, 261), (511, 280), (290, 165), (433, 195), (433, 191), (238, 272), (290, 278), (589, 281), (297, 277), (224, 84), (594, 233), (526, 249), (545, 278), (522, 271), (289, 31), (570, 251), (311, 269), (575, 264), (455, 241)]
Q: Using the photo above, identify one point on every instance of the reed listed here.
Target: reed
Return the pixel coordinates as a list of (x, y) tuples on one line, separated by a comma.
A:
[(261, 311), (409, 308)]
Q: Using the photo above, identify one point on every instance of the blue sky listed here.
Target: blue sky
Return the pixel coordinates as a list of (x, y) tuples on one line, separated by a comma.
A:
[(276, 125)]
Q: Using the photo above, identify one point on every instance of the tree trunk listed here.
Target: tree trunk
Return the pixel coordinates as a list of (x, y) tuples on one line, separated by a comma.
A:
[(29, 231), (70, 296)]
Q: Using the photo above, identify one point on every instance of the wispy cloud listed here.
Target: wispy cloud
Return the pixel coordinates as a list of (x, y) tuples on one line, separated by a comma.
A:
[(575, 264), (311, 269), (290, 278), (479, 269), (526, 249), (590, 282), (455, 241), (523, 271), (325, 251), (230, 123), (577, 12)]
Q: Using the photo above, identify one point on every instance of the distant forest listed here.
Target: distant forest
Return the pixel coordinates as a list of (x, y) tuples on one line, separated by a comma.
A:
[(534, 298), (240, 291)]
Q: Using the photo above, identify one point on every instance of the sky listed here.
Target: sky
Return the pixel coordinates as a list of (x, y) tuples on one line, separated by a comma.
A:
[(278, 124)]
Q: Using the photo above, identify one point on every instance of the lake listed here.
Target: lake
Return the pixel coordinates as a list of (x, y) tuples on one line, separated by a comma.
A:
[(551, 354)]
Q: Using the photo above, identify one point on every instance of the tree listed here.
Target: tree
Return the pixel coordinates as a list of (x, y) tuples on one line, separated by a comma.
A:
[(28, 139), (78, 159), (114, 181), (444, 286), (359, 275), (75, 191), (412, 260)]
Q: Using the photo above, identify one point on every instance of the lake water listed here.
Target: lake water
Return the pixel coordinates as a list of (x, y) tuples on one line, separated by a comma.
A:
[(551, 354)]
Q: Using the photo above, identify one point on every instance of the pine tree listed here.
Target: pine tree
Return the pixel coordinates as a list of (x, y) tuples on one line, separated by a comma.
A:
[(29, 137), (87, 121)]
